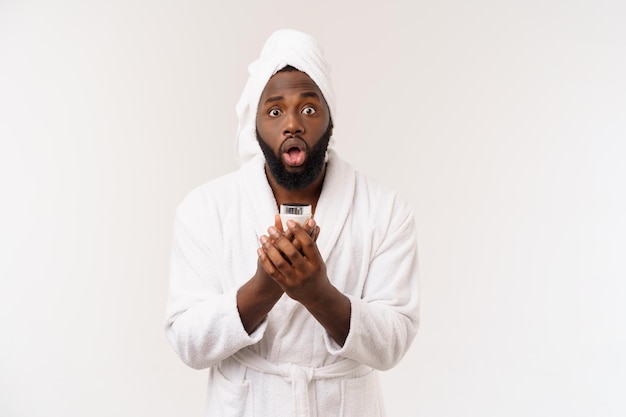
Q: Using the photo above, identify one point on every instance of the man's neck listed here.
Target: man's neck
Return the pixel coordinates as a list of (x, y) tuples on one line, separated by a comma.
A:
[(309, 195)]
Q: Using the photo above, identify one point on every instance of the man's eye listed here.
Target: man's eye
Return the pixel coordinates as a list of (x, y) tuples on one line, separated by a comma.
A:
[(274, 112), (308, 110)]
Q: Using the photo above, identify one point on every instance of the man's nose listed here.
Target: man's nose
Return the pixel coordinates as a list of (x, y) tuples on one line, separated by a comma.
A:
[(293, 124)]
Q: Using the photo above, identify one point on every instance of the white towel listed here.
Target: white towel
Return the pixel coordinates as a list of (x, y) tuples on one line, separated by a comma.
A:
[(284, 47)]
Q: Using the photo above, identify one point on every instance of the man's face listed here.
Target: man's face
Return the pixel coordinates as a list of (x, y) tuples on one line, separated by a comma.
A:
[(293, 129)]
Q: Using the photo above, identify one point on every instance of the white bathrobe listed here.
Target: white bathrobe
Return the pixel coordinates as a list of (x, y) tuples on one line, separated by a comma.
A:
[(289, 366)]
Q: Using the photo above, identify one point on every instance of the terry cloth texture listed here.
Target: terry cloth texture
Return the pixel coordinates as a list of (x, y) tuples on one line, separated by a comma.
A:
[(290, 366), (282, 48)]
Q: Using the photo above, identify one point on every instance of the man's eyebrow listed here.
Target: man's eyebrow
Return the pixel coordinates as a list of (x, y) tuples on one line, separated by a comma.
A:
[(312, 94), (273, 99), (305, 94)]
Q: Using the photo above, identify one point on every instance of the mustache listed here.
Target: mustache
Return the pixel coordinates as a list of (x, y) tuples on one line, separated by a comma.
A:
[(293, 142), (310, 171)]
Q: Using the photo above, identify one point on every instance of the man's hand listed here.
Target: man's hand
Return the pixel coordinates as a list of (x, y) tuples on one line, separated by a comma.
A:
[(294, 262), (257, 297), (296, 265), (309, 227)]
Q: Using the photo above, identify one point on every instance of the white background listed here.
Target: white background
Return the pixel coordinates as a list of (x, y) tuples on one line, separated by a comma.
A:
[(502, 123)]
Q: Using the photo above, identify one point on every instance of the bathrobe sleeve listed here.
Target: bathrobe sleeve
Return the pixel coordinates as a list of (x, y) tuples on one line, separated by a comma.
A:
[(202, 321), (384, 319)]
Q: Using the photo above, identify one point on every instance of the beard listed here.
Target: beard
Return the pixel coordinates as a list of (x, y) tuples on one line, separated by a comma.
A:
[(307, 173)]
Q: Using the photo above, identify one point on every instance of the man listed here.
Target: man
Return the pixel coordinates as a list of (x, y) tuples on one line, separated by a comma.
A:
[(292, 322)]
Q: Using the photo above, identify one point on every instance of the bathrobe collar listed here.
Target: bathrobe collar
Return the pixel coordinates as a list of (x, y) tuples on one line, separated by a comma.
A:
[(333, 206)]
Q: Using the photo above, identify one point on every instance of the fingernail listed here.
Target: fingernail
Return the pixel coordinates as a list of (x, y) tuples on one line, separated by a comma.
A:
[(311, 222), (263, 240), (291, 223), (274, 232)]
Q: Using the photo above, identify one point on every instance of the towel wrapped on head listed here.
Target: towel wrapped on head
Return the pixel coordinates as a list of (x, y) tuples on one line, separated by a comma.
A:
[(284, 47)]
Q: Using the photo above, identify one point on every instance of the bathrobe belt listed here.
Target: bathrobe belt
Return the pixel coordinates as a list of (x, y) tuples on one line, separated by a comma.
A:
[(300, 376)]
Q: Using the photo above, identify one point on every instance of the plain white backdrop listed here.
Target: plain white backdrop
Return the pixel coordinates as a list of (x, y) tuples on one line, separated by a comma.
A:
[(502, 122)]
